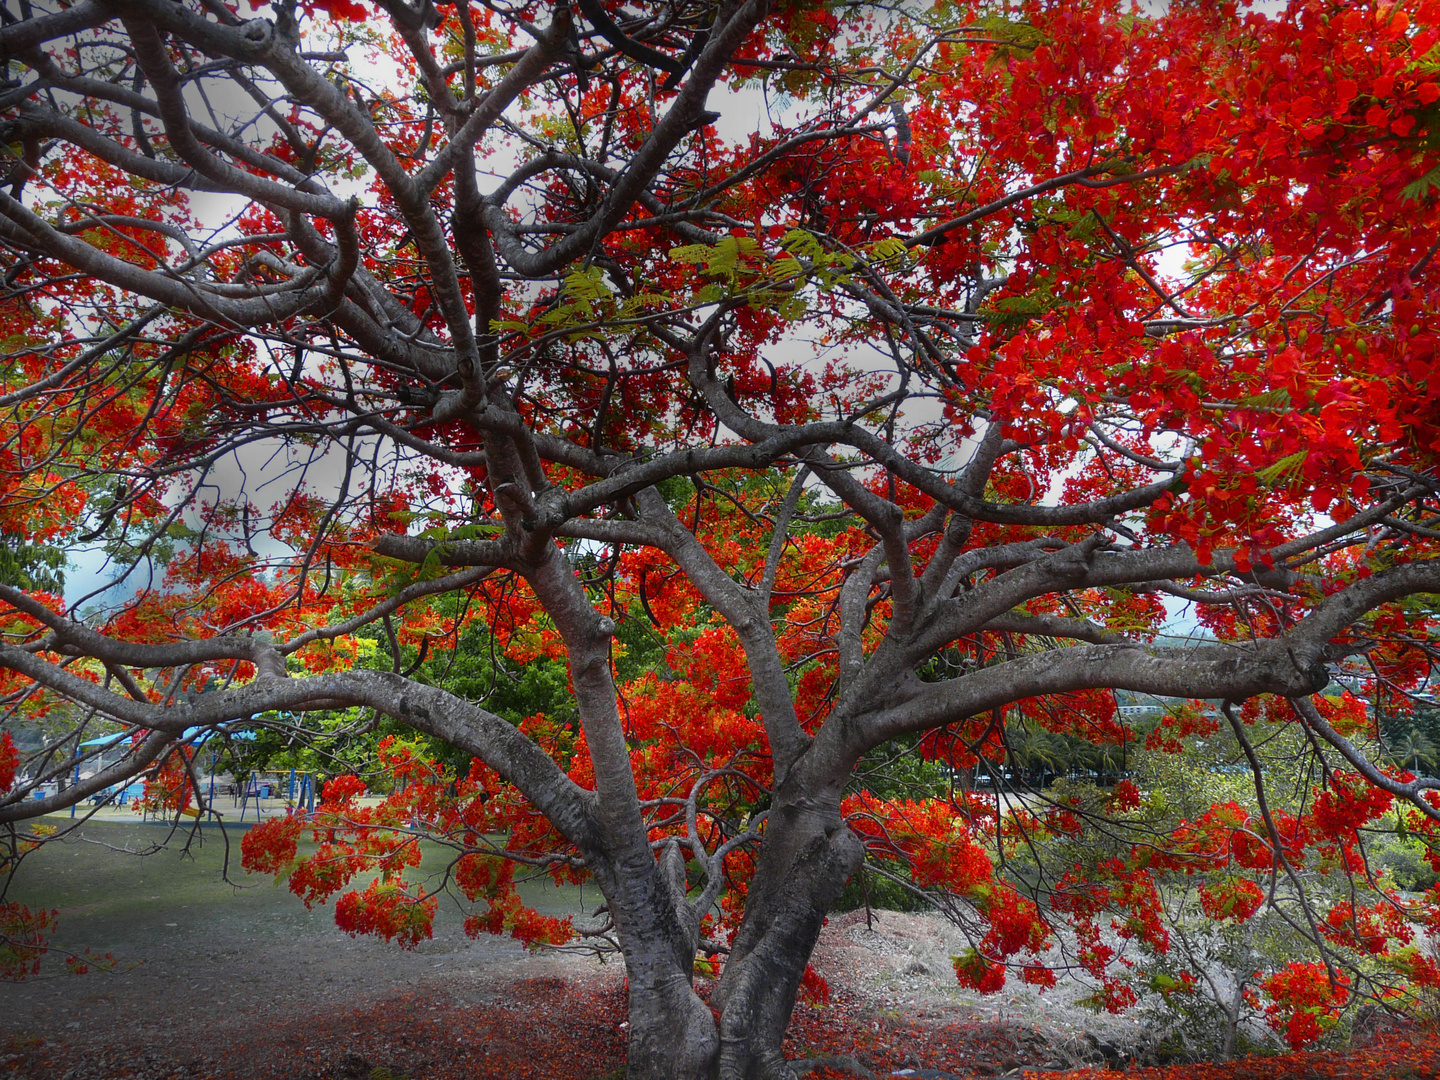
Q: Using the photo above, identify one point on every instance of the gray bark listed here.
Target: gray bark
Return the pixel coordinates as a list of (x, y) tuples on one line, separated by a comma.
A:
[(407, 378), (808, 857)]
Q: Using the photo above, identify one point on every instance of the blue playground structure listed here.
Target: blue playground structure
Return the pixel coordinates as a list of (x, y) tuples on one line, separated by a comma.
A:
[(256, 788), (121, 794)]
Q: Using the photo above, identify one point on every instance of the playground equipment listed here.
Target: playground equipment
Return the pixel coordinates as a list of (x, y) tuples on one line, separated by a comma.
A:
[(306, 789), (120, 794), (299, 788), (259, 786)]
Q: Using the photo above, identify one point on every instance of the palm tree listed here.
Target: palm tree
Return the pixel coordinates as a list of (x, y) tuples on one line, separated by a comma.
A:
[(1413, 749)]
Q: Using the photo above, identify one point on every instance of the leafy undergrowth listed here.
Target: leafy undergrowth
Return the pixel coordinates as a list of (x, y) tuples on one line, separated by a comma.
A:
[(551, 1029)]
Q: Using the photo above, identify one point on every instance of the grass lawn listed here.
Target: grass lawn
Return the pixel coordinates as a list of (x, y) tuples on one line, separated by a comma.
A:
[(117, 891)]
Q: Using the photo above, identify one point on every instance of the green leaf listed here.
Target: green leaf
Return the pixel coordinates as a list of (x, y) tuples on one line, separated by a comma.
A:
[(889, 250), (499, 326), (1286, 466), (802, 243), (1084, 228), (1270, 399), (1416, 190), (793, 309), (472, 531), (690, 254), (786, 266), (586, 284)]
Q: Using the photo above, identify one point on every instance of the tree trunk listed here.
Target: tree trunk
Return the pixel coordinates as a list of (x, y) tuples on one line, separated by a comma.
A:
[(1232, 1021), (808, 857), (672, 1032)]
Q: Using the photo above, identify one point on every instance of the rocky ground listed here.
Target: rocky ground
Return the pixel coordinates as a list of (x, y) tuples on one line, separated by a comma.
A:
[(899, 964)]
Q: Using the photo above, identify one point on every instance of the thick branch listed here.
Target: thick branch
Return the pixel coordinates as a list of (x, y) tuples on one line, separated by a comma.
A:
[(751, 622), (1234, 672), (426, 708)]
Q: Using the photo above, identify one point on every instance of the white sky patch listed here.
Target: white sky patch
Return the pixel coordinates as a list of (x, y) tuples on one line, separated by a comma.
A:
[(746, 110)]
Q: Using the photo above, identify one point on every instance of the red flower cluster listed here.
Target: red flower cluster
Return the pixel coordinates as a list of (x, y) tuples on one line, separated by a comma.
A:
[(1305, 1001)]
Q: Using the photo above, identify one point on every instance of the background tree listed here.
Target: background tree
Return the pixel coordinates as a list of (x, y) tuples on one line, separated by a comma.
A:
[(902, 415)]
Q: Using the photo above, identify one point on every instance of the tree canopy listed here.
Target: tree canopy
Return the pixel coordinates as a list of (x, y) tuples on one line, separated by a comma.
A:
[(772, 387)]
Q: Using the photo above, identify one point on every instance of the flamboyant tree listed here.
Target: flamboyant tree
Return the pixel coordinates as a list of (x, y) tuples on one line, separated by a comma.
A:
[(903, 366)]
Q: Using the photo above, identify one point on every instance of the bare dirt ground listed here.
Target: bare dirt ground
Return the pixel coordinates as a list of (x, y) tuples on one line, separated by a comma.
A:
[(299, 998), (214, 981), (223, 970)]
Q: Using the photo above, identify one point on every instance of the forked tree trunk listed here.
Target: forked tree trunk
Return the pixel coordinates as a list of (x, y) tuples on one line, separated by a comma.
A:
[(674, 1035), (808, 857)]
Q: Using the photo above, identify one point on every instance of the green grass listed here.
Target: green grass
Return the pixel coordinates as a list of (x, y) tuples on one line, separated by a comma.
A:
[(113, 898)]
